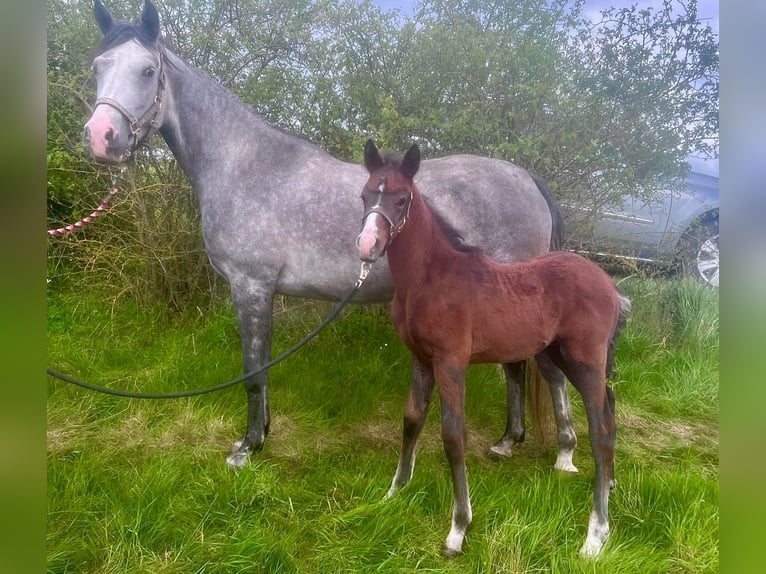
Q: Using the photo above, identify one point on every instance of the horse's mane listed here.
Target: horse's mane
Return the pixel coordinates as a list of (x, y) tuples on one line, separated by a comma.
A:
[(454, 236)]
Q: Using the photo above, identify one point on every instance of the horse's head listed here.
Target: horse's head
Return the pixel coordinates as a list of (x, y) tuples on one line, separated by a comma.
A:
[(387, 197), (130, 82)]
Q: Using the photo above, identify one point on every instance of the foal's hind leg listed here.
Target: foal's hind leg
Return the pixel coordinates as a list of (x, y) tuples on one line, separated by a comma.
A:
[(598, 399), (565, 434), (421, 391), (515, 424)]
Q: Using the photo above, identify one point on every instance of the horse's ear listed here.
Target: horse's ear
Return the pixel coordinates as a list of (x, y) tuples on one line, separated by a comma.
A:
[(103, 17), (150, 20), (372, 160), (411, 162)]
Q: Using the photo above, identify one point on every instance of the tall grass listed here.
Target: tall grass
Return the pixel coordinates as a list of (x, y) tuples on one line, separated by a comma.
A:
[(142, 486)]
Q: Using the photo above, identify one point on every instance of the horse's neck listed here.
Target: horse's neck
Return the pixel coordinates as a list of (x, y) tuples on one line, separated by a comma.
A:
[(209, 131), (420, 244)]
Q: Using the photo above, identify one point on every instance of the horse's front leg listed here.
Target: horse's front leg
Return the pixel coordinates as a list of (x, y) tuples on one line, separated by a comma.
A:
[(421, 391), (253, 304), (450, 379)]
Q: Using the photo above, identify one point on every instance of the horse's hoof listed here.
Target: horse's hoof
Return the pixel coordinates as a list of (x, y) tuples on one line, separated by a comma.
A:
[(566, 468), (503, 449), (564, 462), (239, 454), (237, 459), (450, 552), (592, 548)]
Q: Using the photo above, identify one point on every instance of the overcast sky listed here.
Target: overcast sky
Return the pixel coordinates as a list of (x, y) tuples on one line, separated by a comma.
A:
[(706, 9)]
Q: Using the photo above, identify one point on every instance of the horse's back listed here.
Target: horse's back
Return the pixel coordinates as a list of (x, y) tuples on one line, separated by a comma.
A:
[(495, 204)]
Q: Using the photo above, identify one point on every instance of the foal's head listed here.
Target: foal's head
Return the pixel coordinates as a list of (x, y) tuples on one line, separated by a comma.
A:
[(387, 196)]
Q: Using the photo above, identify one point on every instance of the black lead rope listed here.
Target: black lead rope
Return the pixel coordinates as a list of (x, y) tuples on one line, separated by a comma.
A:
[(135, 395)]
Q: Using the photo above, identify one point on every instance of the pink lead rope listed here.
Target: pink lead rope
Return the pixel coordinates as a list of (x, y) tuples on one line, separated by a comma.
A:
[(103, 206)]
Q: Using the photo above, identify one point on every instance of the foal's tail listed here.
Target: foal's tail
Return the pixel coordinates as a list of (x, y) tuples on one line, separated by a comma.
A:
[(622, 318)]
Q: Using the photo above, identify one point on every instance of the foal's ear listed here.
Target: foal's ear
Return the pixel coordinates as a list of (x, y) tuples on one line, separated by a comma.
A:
[(150, 20), (411, 162), (103, 17), (372, 160)]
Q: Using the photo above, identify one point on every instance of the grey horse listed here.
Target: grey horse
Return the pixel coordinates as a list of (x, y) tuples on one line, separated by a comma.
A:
[(278, 211)]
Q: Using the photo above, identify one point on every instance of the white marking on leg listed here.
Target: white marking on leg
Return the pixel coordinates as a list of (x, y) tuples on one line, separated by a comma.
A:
[(564, 461), (454, 543), (598, 533), (399, 479)]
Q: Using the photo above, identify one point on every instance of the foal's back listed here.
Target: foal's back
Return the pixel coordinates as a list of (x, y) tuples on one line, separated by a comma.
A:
[(512, 311)]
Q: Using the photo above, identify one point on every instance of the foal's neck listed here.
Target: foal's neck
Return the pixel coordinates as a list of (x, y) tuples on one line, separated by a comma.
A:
[(420, 244)]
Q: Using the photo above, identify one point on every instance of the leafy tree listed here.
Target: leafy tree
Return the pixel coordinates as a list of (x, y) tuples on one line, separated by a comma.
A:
[(597, 109)]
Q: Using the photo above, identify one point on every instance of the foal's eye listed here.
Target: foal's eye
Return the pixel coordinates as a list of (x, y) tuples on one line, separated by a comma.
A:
[(401, 202), (149, 72)]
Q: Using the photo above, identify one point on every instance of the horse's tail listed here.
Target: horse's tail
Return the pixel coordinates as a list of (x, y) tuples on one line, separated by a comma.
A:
[(540, 403), (622, 318), (538, 391), (557, 218)]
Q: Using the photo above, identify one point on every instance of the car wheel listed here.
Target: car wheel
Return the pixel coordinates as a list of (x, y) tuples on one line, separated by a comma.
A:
[(699, 254)]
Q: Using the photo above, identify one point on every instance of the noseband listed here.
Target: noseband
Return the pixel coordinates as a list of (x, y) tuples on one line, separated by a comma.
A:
[(394, 227), (149, 117)]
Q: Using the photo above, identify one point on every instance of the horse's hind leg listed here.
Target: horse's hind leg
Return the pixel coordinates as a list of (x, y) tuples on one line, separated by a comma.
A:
[(421, 391), (253, 304), (566, 438), (602, 429), (515, 424)]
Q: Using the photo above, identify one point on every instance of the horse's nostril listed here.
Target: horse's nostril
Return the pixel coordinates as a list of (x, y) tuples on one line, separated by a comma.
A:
[(86, 135), (110, 135)]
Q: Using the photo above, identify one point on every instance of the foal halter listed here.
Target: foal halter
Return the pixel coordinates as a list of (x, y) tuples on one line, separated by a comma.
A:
[(394, 228), (151, 114)]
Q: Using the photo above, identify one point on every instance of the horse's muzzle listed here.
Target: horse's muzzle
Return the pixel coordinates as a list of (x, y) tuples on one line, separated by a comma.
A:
[(107, 136), (373, 238)]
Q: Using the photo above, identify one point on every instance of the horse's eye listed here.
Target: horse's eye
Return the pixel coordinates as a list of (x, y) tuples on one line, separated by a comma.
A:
[(149, 72), (401, 202)]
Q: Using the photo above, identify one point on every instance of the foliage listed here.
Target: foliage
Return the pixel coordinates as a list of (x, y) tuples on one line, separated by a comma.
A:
[(597, 109), (142, 486)]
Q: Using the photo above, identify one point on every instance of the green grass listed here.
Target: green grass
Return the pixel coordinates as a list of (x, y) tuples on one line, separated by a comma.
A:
[(142, 486)]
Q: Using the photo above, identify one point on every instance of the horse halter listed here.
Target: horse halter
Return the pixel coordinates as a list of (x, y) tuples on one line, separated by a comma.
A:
[(394, 227), (151, 114)]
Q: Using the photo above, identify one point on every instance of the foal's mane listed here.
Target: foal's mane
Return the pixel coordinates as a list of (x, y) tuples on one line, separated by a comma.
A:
[(454, 236)]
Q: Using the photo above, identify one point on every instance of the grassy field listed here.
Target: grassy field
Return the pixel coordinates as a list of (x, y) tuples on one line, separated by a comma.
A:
[(142, 486)]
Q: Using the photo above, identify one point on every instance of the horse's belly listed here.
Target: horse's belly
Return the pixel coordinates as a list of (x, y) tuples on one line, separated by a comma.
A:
[(507, 342)]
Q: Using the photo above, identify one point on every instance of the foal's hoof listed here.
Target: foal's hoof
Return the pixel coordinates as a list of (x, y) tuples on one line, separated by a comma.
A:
[(592, 548), (451, 552)]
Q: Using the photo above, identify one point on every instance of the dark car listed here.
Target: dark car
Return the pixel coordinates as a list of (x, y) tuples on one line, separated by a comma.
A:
[(676, 228)]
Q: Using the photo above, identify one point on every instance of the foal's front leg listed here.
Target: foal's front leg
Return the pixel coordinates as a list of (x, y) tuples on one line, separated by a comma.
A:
[(421, 391), (451, 382)]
